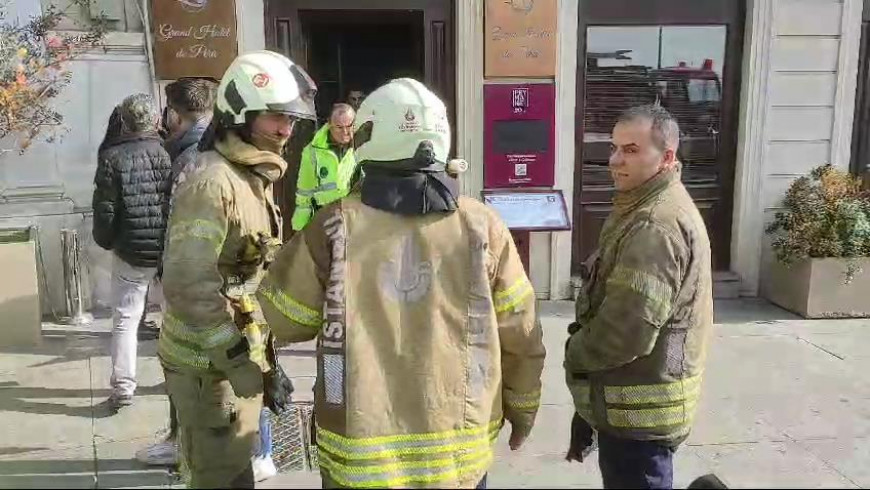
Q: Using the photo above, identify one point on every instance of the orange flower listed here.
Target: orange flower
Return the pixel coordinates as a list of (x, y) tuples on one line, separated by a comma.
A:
[(21, 78)]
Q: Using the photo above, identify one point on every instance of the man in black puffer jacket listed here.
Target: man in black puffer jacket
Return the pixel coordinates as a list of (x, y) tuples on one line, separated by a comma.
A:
[(131, 209)]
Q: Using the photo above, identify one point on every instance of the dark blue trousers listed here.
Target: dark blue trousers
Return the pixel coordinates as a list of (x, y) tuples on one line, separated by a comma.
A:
[(635, 464)]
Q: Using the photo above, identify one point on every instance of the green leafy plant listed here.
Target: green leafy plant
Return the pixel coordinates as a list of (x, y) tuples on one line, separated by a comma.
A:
[(33, 69), (826, 215)]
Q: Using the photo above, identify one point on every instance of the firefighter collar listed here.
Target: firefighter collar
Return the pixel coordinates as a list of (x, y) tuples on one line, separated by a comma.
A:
[(265, 163)]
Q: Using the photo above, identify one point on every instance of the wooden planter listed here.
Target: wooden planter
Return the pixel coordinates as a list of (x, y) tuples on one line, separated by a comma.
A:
[(815, 288), (20, 320)]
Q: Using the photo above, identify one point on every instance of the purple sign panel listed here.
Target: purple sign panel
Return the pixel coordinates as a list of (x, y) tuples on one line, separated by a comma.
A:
[(519, 135)]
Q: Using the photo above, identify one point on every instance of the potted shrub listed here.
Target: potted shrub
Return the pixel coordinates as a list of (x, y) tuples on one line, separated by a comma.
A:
[(822, 243)]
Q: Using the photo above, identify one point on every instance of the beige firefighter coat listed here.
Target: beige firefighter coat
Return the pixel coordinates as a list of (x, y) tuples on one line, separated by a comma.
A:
[(427, 338), (646, 315), (217, 215)]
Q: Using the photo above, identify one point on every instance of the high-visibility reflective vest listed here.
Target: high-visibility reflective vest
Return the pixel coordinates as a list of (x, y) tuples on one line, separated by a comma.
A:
[(323, 178)]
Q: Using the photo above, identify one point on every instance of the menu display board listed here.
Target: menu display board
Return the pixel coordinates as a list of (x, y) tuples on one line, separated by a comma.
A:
[(530, 210)]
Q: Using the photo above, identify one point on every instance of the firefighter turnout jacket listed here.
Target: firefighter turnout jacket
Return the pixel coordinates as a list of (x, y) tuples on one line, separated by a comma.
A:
[(427, 338), (645, 317), (213, 259)]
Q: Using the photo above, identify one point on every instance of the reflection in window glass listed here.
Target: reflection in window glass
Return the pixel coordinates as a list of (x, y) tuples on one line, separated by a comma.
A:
[(703, 91), (679, 67)]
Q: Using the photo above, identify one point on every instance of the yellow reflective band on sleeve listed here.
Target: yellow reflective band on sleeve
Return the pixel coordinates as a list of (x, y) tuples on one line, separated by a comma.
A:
[(658, 294), (206, 338), (523, 401), (177, 353), (665, 393), (406, 473), (200, 229), (292, 309), (513, 296), (650, 418)]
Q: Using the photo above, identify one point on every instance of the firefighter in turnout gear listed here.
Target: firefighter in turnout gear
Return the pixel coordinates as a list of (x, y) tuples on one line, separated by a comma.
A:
[(327, 170), (635, 360), (427, 336), (222, 234)]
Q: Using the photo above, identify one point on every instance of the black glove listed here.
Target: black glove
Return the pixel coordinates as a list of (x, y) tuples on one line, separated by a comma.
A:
[(277, 387), (573, 328), (582, 440)]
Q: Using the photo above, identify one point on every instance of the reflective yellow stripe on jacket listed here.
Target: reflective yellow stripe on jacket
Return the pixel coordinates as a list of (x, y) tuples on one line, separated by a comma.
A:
[(184, 345), (513, 296), (523, 401), (408, 459), (201, 229), (652, 406), (659, 296), (290, 308)]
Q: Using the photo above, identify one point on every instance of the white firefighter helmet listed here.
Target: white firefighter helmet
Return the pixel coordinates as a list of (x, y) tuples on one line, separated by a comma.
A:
[(265, 81), (395, 119)]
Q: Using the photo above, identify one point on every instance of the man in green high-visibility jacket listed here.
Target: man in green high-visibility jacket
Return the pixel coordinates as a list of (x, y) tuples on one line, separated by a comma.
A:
[(328, 168)]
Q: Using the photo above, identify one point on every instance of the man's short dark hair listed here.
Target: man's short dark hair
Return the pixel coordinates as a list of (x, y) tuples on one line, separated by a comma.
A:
[(192, 96), (665, 130)]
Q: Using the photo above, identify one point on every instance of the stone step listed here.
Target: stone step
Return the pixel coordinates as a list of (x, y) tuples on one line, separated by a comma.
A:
[(726, 285)]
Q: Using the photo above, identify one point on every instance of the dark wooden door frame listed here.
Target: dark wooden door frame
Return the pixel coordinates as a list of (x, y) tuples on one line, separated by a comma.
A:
[(439, 54), (860, 160), (437, 18), (669, 13)]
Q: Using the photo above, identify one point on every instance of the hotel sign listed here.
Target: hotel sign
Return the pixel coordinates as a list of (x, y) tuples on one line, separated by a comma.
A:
[(193, 38)]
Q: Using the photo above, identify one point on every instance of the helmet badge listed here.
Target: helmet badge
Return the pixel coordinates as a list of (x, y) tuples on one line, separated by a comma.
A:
[(410, 125), (261, 80)]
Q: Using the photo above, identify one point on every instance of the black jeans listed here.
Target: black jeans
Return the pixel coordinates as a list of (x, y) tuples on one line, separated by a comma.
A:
[(635, 464)]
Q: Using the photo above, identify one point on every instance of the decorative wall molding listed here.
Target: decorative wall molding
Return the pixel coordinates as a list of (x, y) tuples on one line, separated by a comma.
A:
[(748, 221), (469, 93), (566, 84)]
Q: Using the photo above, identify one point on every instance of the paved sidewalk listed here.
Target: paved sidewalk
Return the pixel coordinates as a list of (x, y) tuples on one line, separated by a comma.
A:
[(786, 404)]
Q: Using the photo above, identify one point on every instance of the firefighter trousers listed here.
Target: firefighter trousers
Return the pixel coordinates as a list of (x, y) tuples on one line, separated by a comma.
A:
[(218, 430)]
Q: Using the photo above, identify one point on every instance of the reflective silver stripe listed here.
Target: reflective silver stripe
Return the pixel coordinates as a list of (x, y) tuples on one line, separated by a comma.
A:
[(175, 353), (649, 418), (292, 309), (666, 393), (522, 401), (331, 186), (207, 338), (210, 231)]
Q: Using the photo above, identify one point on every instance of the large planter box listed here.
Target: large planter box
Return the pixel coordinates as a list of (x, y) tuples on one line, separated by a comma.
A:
[(20, 321), (815, 288)]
